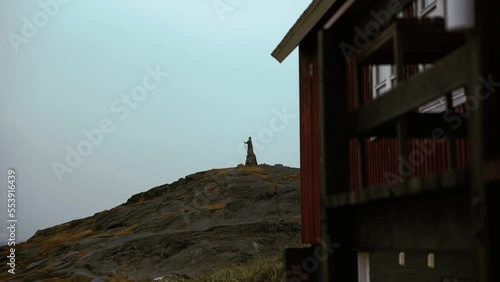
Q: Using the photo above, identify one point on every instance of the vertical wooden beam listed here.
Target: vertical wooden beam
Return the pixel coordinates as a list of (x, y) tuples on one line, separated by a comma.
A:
[(401, 125), (452, 136), (487, 14), (337, 226), (476, 162), (360, 141), (484, 133)]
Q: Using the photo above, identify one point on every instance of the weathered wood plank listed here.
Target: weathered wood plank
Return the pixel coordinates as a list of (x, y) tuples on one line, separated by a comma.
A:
[(448, 74), (418, 126), (453, 179), (334, 154)]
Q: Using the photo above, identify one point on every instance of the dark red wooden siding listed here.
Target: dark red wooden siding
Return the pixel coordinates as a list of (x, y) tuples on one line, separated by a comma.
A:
[(310, 178)]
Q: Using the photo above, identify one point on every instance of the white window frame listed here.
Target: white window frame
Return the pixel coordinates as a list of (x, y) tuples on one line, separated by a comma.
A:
[(384, 85), (393, 76), (439, 105), (363, 267), (425, 10), (437, 8), (377, 90), (376, 84), (376, 71)]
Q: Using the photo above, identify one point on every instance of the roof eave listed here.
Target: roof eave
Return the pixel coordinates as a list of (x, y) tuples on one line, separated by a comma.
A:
[(307, 21)]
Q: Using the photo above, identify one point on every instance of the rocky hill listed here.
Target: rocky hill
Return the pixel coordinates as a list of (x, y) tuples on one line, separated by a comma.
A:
[(205, 221)]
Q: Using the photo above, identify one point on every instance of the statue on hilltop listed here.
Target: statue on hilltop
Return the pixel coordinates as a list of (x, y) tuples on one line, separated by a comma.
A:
[(251, 158)]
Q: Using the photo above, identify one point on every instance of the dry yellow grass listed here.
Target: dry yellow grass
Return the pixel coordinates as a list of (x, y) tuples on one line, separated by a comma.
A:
[(102, 235), (216, 209), (293, 177), (64, 239), (263, 270), (223, 171), (127, 230), (170, 214), (139, 202), (216, 213), (216, 206), (253, 168), (175, 213), (211, 189)]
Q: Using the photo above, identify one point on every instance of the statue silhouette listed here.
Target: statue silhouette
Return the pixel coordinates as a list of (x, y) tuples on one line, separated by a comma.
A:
[(251, 158)]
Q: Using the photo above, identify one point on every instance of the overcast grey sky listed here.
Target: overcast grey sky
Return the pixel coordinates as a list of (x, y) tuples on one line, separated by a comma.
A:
[(72, 67)]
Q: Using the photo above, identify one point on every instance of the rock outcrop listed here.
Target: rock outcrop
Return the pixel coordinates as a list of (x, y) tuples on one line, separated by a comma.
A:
[(195, 224)]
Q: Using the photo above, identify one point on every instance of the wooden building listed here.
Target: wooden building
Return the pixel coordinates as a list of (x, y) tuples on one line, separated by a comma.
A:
[(400, 142)]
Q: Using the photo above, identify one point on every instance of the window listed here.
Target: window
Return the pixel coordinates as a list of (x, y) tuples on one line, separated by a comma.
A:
[(427, 3), (383, 79), (393, 76), (430, 8), (394, 82), (379, 90), (439, 105), (436, 106), (379, 75), (379, 80)]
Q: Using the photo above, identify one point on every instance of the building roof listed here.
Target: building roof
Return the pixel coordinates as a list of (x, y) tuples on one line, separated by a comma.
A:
[(311, 16)]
